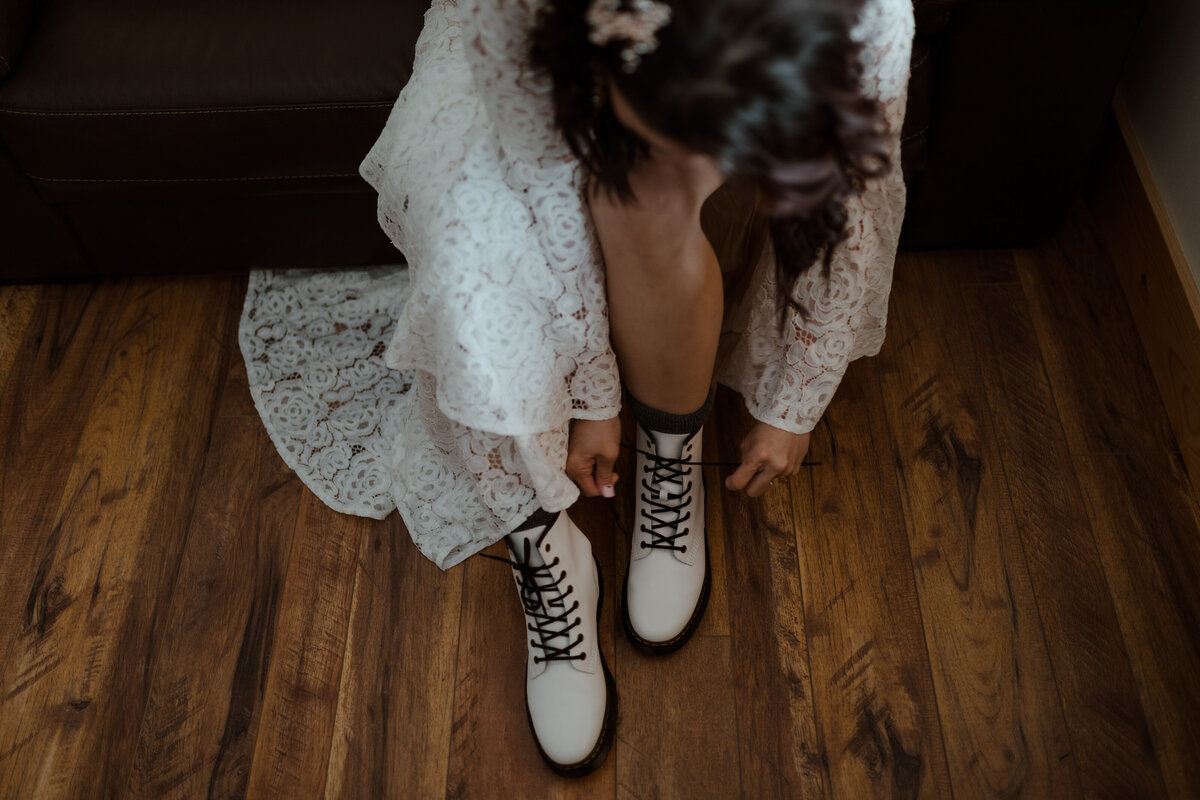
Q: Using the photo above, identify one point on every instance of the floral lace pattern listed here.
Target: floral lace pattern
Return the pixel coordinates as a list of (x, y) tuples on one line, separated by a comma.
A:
[(445, 389)]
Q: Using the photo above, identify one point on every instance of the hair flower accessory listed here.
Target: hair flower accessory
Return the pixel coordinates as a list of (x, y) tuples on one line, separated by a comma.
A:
[(638, 24)]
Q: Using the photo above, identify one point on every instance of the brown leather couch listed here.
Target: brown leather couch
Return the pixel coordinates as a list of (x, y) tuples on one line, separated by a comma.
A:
[(141, 136)]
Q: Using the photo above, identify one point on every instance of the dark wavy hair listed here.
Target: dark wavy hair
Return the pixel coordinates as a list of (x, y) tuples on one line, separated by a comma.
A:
[(768, 88)]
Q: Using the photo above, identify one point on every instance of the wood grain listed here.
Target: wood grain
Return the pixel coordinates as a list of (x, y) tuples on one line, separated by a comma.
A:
[(45, 407), (1111, 743), (399, 669), (1103, 387), (291, 753), (678, 732), (716, 617), (76, 680), (1164, 301), (999, 707), (16, 307), (1147, 529), (779, 750), (201, 721), (874, 698)]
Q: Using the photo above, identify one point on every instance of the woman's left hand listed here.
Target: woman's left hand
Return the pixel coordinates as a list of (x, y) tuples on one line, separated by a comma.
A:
[(767, 453), (591, 452)]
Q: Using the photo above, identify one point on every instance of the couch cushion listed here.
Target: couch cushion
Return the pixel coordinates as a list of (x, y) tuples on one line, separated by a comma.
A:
[(128, 95), (14, 23)]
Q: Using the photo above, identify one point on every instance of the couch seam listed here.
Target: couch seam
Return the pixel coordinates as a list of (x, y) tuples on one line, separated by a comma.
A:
[(164, 112), (912, 136), (194, 180)]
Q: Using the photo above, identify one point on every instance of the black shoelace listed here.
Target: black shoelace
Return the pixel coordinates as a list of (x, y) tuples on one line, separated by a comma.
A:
[(677, 464), (541, 592), (665, 532)]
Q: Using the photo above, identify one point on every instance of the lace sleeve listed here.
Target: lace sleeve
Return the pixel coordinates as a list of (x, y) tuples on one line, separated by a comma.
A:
[(788, 380)]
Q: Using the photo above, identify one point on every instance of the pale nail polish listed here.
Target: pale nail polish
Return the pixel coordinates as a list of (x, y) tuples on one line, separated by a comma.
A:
[(607, 491)]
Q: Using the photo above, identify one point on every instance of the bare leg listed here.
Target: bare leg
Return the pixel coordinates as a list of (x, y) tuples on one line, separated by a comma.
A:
[(664, 284)]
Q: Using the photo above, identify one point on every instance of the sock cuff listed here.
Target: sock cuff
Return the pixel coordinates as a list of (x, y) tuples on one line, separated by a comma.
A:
[(665, 422)]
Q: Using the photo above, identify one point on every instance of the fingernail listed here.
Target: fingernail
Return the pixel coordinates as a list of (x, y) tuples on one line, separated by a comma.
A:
[(607, 491)]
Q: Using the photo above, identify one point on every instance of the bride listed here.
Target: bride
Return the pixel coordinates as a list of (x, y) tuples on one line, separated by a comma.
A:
[(543, 174)]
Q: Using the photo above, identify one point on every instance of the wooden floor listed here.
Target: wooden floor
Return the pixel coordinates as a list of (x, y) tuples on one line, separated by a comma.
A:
[(988, 588)]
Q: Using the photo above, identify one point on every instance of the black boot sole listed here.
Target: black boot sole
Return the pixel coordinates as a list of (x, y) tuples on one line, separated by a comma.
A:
[(604, 743)]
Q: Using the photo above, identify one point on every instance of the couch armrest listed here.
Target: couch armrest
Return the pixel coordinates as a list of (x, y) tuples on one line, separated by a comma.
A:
[(14, 25)]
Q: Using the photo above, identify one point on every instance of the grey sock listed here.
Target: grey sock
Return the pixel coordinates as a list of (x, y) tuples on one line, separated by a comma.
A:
[(665, 422)]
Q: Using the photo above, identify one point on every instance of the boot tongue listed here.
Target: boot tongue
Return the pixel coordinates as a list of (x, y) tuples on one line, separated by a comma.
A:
[(668, 445), (516, 541)]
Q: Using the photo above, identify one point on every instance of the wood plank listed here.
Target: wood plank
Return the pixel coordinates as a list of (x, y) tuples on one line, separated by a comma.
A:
[(77, 678), (1163, 298), (716, 617), (44, 406), (779, 752), (1103, 388), (492, 748), (197, 735), (998, 703), (392, 731), (678, 731), (1147, 528), (291, 751), (1111, 742), (16, 307), (236, 400), (875, 704)]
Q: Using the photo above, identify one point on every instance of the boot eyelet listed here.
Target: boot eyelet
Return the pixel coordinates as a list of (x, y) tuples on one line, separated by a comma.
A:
[(683, 549), (584, 657), (547, 547)]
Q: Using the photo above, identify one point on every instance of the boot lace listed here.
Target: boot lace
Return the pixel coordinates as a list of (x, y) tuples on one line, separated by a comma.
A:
[(664, 509), (545, 602)]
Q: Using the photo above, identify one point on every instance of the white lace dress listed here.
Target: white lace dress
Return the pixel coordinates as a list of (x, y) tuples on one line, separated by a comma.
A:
[(445, 388)]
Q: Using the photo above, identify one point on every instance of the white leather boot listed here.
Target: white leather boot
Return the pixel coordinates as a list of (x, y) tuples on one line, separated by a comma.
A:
[(666, 587), (569, 692)]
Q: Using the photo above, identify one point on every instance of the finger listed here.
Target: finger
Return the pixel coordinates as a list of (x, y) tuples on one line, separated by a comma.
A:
[(604, 476), (742, 475), (761, 481), (580, 471)]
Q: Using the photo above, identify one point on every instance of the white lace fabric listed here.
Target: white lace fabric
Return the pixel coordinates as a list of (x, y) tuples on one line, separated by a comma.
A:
[(445, 388)]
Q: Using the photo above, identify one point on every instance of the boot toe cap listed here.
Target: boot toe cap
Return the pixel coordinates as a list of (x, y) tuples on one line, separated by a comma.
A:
[(659, 607), (570, 727)]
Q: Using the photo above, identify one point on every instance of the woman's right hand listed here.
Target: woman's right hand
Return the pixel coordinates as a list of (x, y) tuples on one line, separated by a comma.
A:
[(591, 452)]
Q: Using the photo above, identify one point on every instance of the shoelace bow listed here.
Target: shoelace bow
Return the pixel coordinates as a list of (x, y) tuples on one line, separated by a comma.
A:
[(537, 583)]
